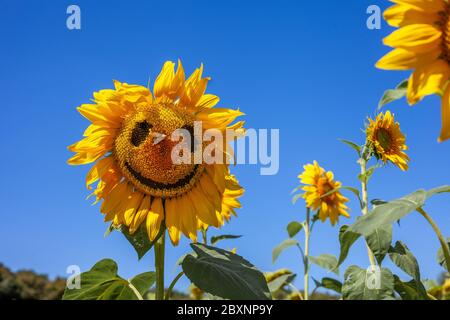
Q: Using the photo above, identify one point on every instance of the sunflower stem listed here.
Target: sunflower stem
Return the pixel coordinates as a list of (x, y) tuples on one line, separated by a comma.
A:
[(365, 199), (172, 285), (438, 232), (306, 254), (159, 266)]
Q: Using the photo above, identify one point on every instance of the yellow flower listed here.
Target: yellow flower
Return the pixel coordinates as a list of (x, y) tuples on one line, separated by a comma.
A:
[(422, 43), (195, 293), (271, 276), (130, 144), (317, 193), (387, 140)]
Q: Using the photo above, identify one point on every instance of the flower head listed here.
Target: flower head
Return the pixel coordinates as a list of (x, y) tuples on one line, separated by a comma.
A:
[(322, 193), (422, 44), (387, 140), (130, 143)]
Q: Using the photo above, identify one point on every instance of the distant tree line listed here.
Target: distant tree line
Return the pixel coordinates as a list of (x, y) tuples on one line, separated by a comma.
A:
[(28, 285)]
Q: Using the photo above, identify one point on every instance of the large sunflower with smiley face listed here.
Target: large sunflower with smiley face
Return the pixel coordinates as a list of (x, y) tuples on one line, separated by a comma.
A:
[(130, 141)]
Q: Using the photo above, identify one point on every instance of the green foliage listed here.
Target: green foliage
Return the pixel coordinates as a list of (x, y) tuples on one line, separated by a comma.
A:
[(380, 242), (279, 282), (352, 145), (394, 94), (411, 290), (390, 212), (326, 261), (103, 283), (293, 228), (216, 239), (405, 260), (364, 178), (283, 246), (440, 256), (360, 284), (346, 239), (225, 274), (330, 284), (139, 240)]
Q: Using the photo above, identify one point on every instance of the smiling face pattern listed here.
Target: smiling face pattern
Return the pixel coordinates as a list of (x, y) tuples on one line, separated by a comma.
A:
[(143, 150)]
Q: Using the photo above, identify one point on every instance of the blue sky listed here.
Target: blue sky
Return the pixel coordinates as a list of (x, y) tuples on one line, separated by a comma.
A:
[(304, 67)]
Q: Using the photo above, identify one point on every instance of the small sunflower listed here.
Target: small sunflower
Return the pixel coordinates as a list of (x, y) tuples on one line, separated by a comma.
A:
[(317, 194), (129, 142), (422, 43), (387, 140)]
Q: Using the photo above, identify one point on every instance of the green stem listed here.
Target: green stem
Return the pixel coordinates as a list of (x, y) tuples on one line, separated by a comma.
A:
[(172, 285), (365, 201), (205, 236), (159, 266), (444, 244), (305, 259)]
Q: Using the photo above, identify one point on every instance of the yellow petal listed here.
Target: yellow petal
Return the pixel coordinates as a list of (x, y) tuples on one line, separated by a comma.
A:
[(141, 214), (98, 170), (400, 15), (173, 220), (398, 59), (154, 218), (419, 38), (427, 80)]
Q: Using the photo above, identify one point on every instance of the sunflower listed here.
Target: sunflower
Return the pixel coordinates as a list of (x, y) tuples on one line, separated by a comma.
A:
[(129, 141), (387, 140), (422, 43), (318, 195)]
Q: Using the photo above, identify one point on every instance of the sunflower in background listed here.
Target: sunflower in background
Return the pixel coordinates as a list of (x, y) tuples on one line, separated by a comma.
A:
[(318, 195), (129, 142), (422, 44), (387, 140)]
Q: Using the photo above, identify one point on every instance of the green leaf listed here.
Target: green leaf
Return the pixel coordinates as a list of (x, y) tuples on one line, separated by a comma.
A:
[(293, 228), (346, 240), (216, 239), (225, 274), (394, 94), (283, 246), (326, 261), (139, 240), (330, 284), (411, 290), (393, 211), (441, 257), (380, 242), (279, 282), (144, 281), (103, 283), (388, 213), (438, 190), (352, 145), (360, 284), (368, 174), (405, 260), (109, 230)]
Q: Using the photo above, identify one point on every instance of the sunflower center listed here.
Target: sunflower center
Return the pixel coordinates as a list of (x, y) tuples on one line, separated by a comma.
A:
[(323, 187), (445, 28), (384, 138), (143, 149)]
